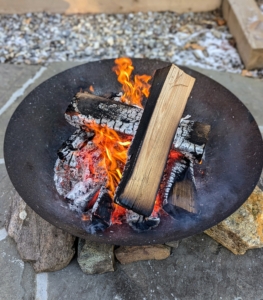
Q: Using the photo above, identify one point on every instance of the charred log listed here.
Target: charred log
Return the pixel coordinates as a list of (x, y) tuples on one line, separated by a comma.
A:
[(101, 212), (140, 223), (178, 213), (86, 108)]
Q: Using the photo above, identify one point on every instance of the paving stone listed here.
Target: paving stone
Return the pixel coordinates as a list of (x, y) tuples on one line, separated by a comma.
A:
[(199, 269), (12, 78), (95, 258), (6, 192), (17, 277)]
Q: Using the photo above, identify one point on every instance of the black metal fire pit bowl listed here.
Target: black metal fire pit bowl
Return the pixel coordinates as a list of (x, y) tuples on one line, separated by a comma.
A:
[(230, 170)]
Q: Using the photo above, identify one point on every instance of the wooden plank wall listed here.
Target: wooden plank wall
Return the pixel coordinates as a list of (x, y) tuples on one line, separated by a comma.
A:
[(105, 6)]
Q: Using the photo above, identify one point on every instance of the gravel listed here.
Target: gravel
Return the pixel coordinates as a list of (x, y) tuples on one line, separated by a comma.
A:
[(193, 39)]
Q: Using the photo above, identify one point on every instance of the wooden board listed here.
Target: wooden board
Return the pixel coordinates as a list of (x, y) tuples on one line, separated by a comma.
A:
[(105, 6), (245, 22), (149, 150)]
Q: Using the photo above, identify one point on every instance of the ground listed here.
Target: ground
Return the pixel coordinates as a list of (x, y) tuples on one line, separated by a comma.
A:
[(198, 269)]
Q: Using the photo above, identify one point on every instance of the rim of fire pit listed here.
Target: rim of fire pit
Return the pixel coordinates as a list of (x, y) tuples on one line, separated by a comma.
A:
[(231, 166)]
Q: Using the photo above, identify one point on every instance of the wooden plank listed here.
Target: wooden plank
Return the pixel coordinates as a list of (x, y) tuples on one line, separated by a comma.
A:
[(149, 150), (105, 6), (245, 22)]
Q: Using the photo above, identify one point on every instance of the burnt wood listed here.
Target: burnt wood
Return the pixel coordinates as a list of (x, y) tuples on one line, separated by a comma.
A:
[(86, 108), (150, 147), (228, 174)]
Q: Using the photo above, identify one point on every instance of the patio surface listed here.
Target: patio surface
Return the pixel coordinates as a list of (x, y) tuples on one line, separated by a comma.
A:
[(198, 269)]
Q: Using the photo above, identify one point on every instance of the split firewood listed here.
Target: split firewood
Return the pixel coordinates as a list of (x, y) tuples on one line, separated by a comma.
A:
[(141, 178)]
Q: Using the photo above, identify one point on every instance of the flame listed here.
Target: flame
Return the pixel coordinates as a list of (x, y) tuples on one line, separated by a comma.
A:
[(134, 89), (91, 89), (113, 146)]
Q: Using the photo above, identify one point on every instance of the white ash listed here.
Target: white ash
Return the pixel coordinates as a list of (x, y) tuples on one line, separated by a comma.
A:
[(72, 172), (177, 169), (140, 223), (42, 38), (183, 134), (126, 119)]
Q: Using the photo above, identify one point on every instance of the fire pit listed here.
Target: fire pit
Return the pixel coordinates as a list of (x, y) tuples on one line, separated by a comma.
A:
[(230, 169)]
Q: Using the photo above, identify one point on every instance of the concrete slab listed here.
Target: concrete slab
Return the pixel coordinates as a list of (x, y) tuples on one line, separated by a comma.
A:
[(17, 277), (198, 269), (6, 191), (12, 78)]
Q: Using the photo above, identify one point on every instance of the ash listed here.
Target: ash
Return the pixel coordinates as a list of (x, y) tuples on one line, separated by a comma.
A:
[(193, 39)]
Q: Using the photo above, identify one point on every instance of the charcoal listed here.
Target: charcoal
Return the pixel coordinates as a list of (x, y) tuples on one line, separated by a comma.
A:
[(178, 213), (190, 137), (75, 142), (140, 223), (101, 212)]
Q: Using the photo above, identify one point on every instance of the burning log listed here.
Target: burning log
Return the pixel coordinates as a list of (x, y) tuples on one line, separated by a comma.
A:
[(101, 212), (87, 108), (141, 178)]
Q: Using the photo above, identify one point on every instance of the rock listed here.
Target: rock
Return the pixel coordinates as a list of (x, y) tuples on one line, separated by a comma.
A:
[(243, 230), (95, 258), (173, 244), (47, 247), (129, 254)]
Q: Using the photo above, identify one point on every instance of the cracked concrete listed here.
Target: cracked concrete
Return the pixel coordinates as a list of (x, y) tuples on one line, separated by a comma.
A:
[(198, 269)]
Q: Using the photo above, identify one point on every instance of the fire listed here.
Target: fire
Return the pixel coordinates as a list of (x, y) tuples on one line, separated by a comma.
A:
[(113, 146), (134, 89), (91, 89)]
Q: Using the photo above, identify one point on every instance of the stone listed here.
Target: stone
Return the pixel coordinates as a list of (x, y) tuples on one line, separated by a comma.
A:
[(129, 254), (95, 258), (7, 190), (47, 247), (17, 277), (173, 244), (243, 230)]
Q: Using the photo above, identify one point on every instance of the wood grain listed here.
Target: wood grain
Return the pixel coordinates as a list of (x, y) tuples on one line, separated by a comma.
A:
[(245, 22), (170, 90)]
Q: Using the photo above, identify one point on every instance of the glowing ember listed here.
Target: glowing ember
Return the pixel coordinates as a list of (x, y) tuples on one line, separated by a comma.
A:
[(91, 89), (134, 89), (113, 148)]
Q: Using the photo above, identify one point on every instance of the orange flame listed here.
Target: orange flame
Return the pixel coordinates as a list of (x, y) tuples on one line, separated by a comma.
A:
[(134, 90), (113, 146), (91, 89)]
